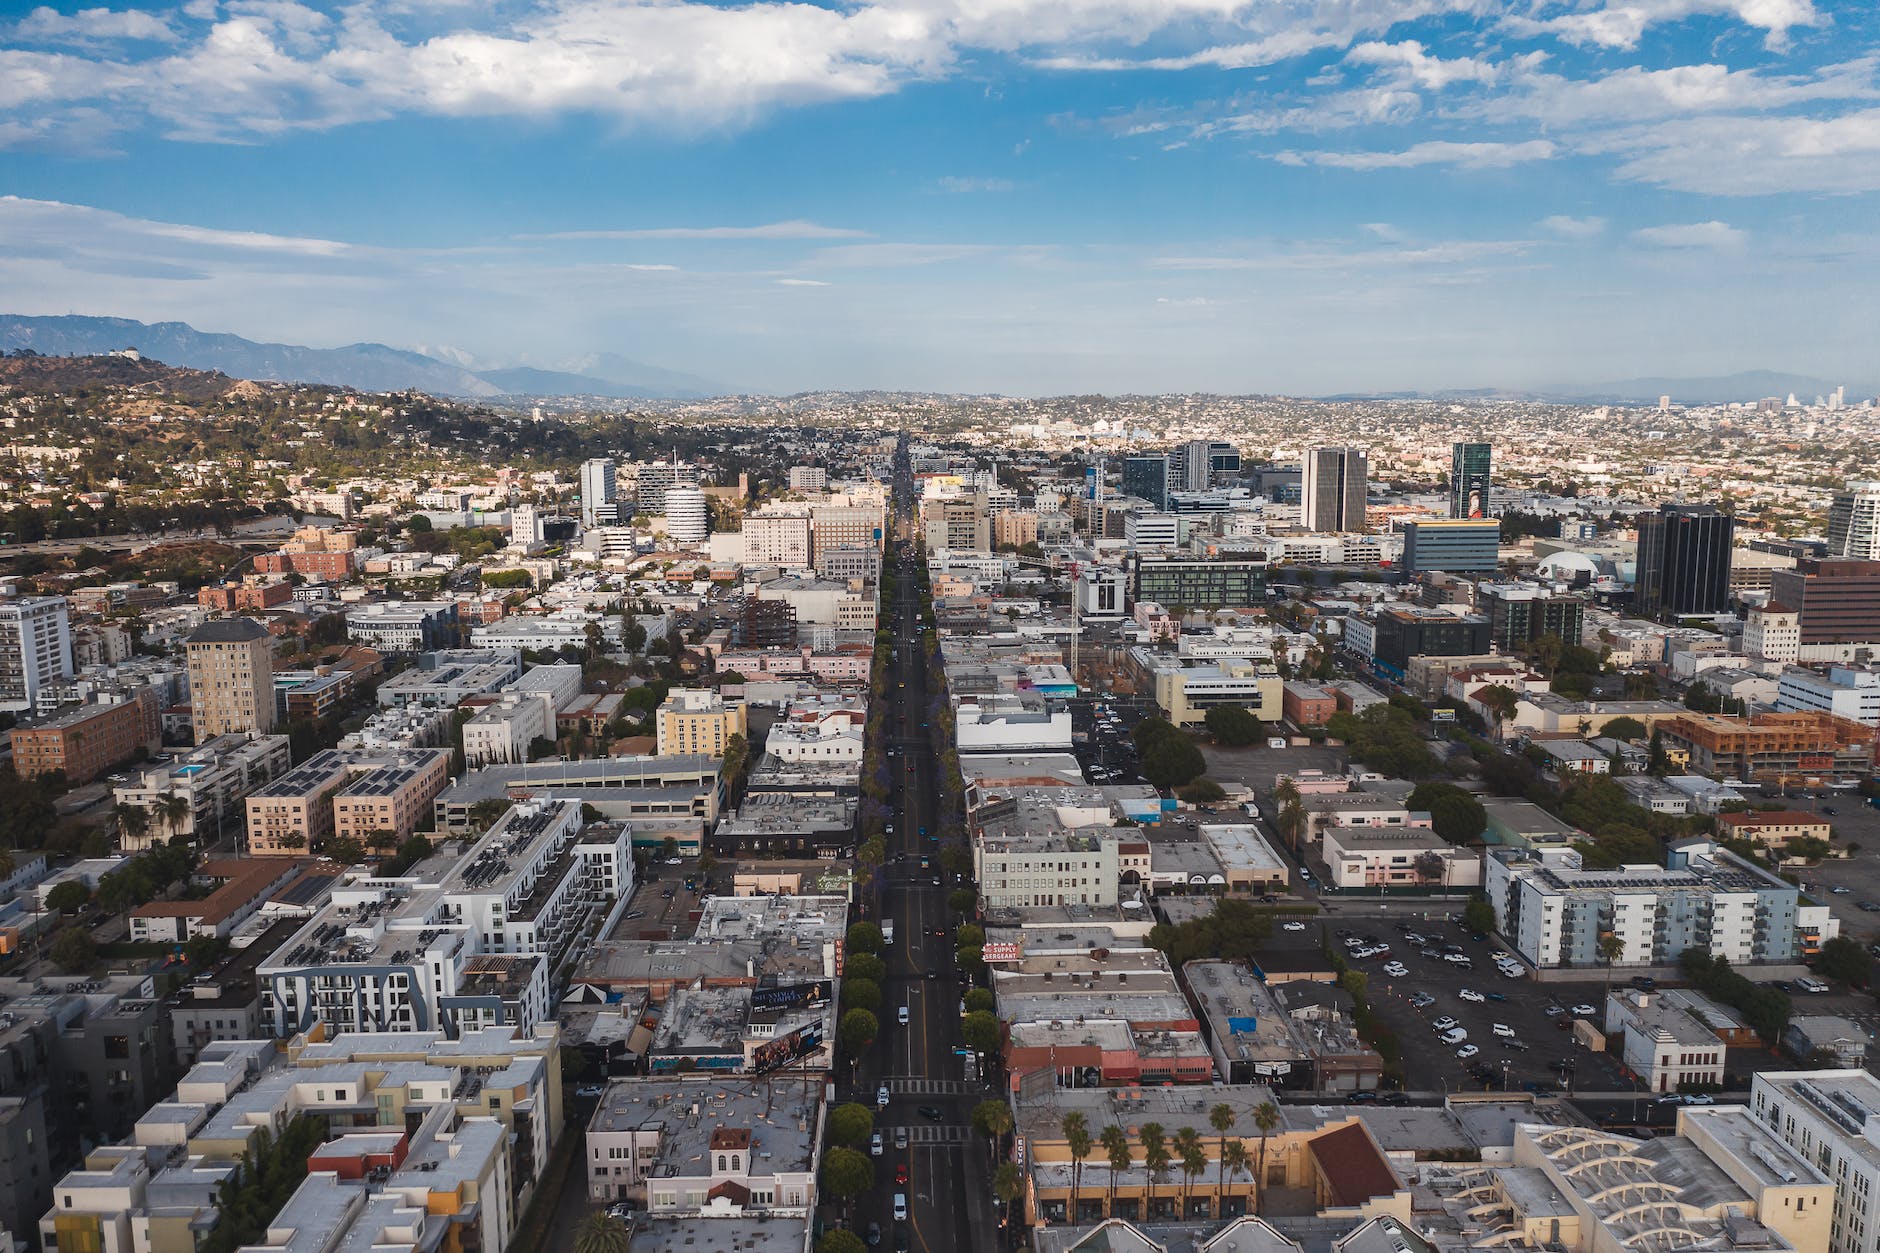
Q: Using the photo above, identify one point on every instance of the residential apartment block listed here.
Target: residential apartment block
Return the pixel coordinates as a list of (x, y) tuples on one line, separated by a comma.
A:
[(231, 678), (85, 742)]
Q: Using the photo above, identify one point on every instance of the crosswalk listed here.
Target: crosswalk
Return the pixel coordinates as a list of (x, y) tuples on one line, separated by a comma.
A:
[(922, 1133), (929, 1087)]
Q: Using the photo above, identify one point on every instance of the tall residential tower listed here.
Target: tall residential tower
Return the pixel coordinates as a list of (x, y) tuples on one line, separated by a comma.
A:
[(1468, 480), (1332, 492)]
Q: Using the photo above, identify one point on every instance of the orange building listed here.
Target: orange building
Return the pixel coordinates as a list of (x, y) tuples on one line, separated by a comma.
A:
[(1773, 748)]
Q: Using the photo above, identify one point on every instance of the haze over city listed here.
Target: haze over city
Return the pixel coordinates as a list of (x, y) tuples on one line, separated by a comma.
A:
[(1026, 196)]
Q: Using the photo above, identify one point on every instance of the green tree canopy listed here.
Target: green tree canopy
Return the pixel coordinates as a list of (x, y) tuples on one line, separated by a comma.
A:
[(1233, 726), (851, 1123), (864, 937), (1456, 814)]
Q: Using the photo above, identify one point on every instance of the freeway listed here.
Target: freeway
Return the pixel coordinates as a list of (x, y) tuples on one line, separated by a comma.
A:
[(930, 1099), (265, 532)]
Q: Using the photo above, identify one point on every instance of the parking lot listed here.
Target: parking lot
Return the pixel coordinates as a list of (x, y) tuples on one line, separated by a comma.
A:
[(1856, 826), (662, 903), (1258, 766), (1105, 751), (1430, 989)]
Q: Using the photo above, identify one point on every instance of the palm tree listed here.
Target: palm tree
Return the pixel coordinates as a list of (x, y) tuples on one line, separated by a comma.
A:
[(1154, 1157), (174, 808), (1234, 1158), (1266, 1118), (1611, 948), (1221, 1118), (1077, 1138), (1194, 1162), (994, 1120), (1008, 1185), (133, 822), (1115, 1143), (597, 1233)]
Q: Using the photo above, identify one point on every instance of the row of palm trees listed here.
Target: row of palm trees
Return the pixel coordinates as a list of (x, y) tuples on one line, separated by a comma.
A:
[(170, 809), (1185, 1151)]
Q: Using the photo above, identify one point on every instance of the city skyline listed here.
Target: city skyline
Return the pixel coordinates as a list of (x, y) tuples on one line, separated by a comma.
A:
[(1027, 198)]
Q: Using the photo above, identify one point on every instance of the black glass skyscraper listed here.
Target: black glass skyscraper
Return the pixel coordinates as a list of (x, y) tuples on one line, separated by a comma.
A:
[(1684, 560), (1468, 480), (1146, 478)]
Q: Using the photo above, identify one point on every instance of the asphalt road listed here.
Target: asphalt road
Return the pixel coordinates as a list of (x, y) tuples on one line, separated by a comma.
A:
[(948, 1189)]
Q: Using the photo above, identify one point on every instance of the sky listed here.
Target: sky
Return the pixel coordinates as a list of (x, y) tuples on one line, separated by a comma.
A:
[(1023, 196)]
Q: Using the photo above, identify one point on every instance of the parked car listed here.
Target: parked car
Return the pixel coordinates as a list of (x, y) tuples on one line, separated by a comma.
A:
[(1584, 1010), (1444, 1023), (1454, 1036), (1472, 996), (1467, 1051), (1421, 1000), (1503, 1029), (1396, 969), (1292, 926)]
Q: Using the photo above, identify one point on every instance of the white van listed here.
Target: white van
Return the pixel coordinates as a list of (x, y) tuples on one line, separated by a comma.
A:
[(903, 1015), (900, 1207), (1455, 1035)]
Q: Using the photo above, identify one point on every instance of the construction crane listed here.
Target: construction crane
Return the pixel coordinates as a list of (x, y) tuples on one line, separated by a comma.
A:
[(1056, 565)]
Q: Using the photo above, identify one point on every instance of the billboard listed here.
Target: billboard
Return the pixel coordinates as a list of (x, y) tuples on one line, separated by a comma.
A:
[(1001, 952), (785, 1049), (792, 995)]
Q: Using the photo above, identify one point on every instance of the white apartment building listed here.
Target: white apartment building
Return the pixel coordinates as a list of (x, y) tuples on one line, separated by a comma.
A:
[(1553, 911), (209, 780), (1854, 522), (1773, 633), (1386, 857), (598, 488), (1152, 530), (777, 539), (1832, 1119), (35, 649), (1851, 692), (817, 736), (1011, 723), (454, 947), (501, 733), (1053, 869), (809, 479)]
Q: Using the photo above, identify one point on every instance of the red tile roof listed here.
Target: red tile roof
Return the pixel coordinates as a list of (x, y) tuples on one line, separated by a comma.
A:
[(1353, 1166)]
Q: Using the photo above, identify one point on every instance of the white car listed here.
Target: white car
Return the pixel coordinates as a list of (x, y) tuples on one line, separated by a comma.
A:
[(1467, 1051), (1292, 926), (1422, 1000), (1503, 1030), (1444, 1023), (1455, 1035), (874, 1144), (1583, 1011), (1472, 996), (1554, 1011), (1457, 959), (1396, 970)]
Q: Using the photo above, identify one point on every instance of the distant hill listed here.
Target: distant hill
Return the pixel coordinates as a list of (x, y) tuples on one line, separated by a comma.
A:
[(367, 367), (1746, 386)]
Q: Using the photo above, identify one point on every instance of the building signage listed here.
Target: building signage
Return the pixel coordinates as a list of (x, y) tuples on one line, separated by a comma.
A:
[(1001, 952)]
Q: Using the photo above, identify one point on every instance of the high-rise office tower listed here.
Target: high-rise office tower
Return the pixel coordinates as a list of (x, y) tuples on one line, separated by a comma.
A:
[(1684, 560), (1332, 490), (1854, 522), (598, 506), (1468, 480), (1146, 478), (35, 648), (1202, 463)]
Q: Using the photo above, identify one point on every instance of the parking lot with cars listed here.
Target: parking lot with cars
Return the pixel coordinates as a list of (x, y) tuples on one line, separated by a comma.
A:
[(1461, 1023), (1101, 740)]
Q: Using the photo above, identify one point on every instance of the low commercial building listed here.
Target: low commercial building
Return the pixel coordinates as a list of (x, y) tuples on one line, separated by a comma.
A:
[(1281, 1035), (1574, 757), (1307, 704), (1826, 1040), (1668, 1048), (1851, 692), (1185, 688), (1774, 831), (1055, 868), (724, 1150), (789, 824), (84, 743), (1011, 723), (1359, 857), (651, 790), (244, 885)]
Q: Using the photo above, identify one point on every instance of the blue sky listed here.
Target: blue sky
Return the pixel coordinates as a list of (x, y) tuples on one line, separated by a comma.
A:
[(1029, 196)]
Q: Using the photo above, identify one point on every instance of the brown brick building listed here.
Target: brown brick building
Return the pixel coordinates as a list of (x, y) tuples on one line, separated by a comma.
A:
[(87, 741)]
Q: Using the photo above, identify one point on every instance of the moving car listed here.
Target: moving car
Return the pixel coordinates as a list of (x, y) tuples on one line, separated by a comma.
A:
[(900, 1139), (900, 1207), (881, 1097), (875, 1145), (1472, 996), (932, 1113)]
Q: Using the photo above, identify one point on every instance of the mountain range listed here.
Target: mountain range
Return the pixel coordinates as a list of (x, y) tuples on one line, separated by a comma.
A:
[(1749, 385), (367, 367)]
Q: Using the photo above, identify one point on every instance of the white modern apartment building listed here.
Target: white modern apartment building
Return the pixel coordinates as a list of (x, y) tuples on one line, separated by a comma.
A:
[(1050, 869), (458, 945), (1832, 1119), (207, 783), (502, 733), (1851, 692), (1554, 911), (598, 486), (1854, 522), (813, 732), (35, 649), (778, 539)]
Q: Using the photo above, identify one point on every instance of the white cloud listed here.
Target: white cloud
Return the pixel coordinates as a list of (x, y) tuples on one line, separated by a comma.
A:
[(1620, 23), (1468, 156), (1448, 252), (44, 25), (1410, 62), (1692, 235), (52, 221), (795, 229), (1753, 156), (1573, 228), (801, 282), (653, 269), (964, 186)]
